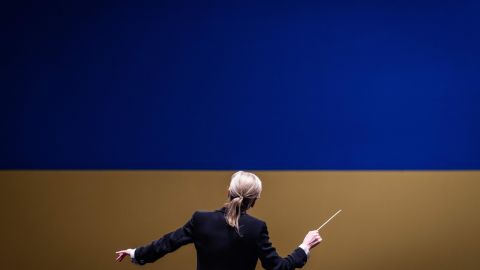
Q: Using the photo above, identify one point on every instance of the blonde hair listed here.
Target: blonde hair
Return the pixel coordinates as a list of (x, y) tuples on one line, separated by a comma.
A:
[(244, 189)]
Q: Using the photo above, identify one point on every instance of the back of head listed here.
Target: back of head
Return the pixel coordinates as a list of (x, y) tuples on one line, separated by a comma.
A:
[(244, 189)]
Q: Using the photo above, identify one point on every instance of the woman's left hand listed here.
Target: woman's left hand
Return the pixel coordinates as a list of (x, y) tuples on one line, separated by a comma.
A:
[(123, 253)]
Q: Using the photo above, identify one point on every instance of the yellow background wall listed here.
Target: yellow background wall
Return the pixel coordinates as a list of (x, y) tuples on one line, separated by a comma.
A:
[(390, 219)]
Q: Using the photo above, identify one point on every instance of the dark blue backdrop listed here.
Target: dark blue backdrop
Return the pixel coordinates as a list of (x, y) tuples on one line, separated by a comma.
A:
[(241, 85)]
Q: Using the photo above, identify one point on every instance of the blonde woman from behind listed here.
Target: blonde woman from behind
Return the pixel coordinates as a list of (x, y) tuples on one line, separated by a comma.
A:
[(227, 238)]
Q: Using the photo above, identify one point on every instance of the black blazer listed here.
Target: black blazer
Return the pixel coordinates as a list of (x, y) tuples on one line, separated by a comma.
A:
[(220, 247)]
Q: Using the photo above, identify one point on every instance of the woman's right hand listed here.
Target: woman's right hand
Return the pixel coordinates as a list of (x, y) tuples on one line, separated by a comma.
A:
[(312, 239)]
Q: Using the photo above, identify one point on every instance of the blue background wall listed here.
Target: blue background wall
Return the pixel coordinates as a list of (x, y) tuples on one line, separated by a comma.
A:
[(241, 85)]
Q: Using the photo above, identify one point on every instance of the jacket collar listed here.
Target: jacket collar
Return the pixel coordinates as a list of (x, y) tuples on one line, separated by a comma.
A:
[(223, 211)]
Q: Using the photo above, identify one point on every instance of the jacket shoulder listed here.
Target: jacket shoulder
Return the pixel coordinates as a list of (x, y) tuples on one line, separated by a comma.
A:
[(202, 214), (254, 219)]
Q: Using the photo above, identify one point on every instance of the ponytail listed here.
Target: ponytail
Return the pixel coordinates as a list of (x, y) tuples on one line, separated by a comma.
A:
[(233, 209)]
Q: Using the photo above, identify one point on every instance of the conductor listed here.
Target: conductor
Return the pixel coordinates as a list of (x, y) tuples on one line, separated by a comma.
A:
[(228, 238)]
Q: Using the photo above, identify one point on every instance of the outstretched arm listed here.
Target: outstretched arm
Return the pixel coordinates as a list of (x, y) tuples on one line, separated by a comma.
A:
[(158, 248), (297, 259)]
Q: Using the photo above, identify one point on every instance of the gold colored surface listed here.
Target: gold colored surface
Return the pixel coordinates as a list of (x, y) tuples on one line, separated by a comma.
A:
[(390, 220)]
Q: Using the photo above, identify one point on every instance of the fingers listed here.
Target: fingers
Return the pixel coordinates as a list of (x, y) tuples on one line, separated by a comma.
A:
[(314, 234), (317, 237), (120, 257), (121, 254), (314, 245), (313, 238)]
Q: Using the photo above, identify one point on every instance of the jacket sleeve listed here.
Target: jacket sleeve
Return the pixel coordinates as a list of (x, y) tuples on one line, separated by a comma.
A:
[(166, 244), (271, 260)]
